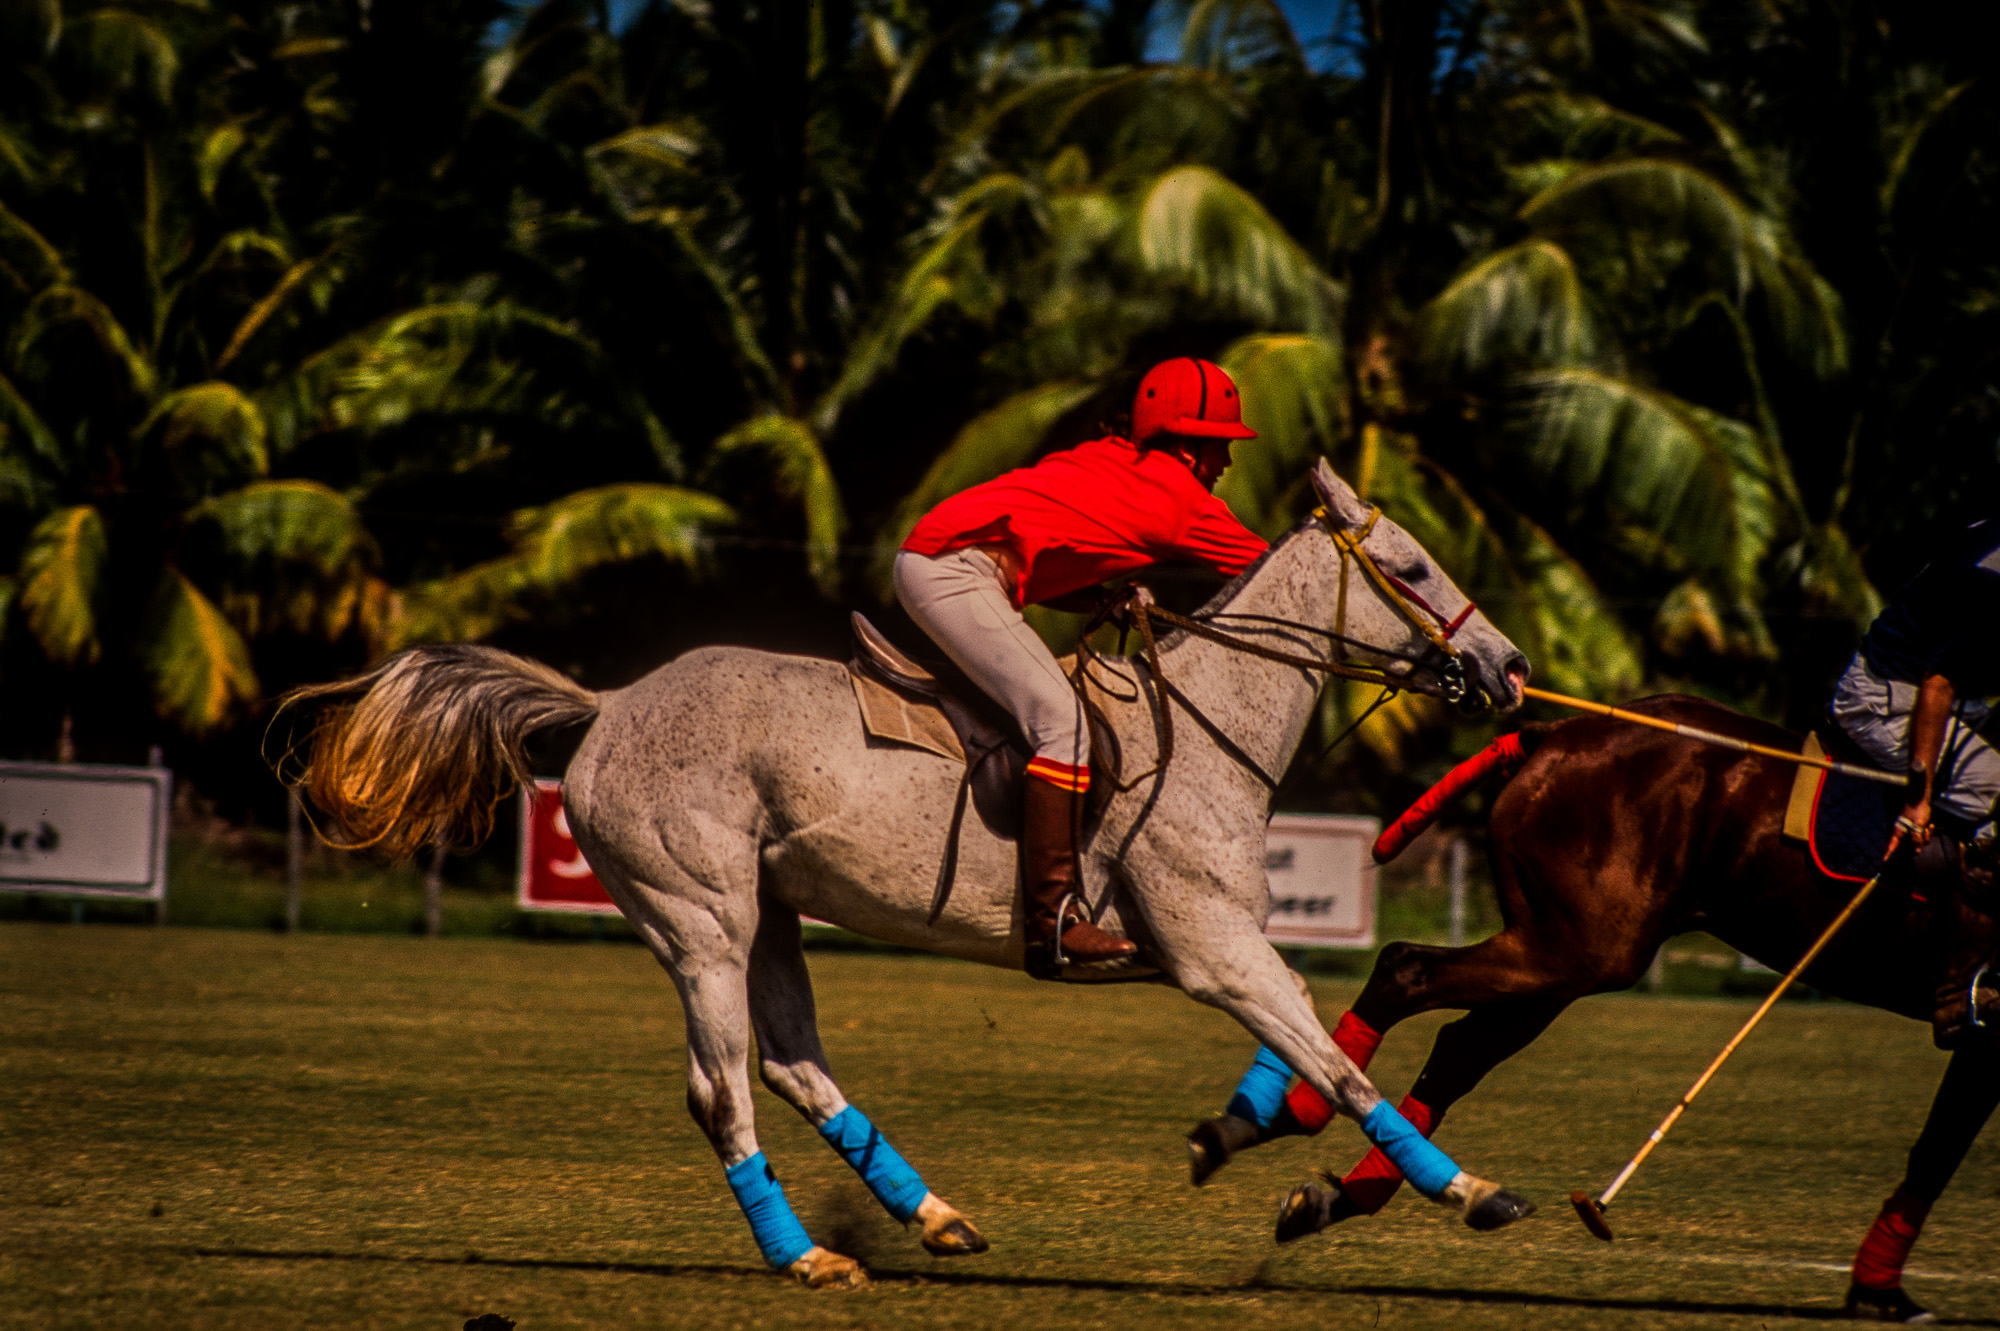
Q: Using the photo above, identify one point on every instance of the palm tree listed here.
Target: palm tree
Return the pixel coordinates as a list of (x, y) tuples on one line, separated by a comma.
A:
[(152, 526)]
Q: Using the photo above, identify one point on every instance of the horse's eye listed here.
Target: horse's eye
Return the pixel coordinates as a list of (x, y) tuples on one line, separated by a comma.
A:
[(1407, 562)]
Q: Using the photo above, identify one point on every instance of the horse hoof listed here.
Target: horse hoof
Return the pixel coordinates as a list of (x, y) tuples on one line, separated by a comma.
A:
[(820, 1269), (946, 1232), (954, 1238), (1885, 1305), (1213, 1143), (1497, 1210), (1311, 1208)]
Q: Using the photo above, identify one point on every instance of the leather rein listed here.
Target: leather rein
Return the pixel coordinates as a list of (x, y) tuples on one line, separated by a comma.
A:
[(1137, 606)]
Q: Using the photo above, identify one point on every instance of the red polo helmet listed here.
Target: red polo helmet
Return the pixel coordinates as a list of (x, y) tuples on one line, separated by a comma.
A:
[(1188, 396)]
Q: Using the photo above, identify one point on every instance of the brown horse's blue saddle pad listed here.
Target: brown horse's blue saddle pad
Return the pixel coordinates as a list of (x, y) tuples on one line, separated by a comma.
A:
[(1845, 821)]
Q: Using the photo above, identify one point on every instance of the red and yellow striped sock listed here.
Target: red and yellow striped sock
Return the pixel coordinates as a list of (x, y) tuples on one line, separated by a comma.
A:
[(1060, 775)]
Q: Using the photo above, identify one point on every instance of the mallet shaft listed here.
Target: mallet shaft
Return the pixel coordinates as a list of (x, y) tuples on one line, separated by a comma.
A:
[(1711, 737), (1846, 913)]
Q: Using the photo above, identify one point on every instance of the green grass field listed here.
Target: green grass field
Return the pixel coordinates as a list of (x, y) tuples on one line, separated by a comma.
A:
[(209, 1128)]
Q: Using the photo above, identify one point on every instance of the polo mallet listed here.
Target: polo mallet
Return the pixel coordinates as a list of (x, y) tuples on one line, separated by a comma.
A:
[(1721, 740), (1591, 1210)]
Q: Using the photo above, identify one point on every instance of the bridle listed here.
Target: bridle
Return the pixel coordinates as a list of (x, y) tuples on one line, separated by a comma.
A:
[(1399, 593), (1135, 606)]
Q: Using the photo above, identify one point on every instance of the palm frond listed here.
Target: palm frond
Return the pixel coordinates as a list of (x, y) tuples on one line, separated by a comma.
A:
[(209, 431), (471, 604), (949, 272), (1578, 126), (1834, 581), (759, 376), (1150, 118), (1237, 34), (1576, 641), (799, 471), (671, 146), (555, 546), (122, 50), (616, 523), (214, 155), (19, 417), (1208, 235), (21, 483), (458, 358), (260, 313), (18, 158), (37, 25), (1111, 100), (1294, 397), (60, 569), (1661, 200), (65, 304), (1524, 303), (1694, 479), (28, 253), (1908, 140), (1529, 587), (291, 521), (198, 663)]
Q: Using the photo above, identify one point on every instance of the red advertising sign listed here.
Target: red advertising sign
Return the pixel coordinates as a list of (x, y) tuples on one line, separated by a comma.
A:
[(553, 873)]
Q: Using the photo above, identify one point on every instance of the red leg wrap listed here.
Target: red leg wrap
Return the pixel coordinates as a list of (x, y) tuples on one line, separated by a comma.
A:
[(1879, 1263), (1357, 1039), (1353, 1037), (1374, 1181)]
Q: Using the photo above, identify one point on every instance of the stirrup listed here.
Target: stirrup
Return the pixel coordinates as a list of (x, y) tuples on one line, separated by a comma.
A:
[(1073, 898), (1972, 1019)]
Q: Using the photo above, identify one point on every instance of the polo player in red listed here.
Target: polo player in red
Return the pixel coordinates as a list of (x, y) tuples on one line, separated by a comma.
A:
[(1031, 536)]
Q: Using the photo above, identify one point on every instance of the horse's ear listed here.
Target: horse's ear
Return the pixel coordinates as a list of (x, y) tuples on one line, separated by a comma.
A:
[(1345, 506)]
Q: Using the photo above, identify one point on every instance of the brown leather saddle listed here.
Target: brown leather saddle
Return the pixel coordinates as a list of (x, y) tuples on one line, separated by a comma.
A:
[(950, 717), (934, 707)]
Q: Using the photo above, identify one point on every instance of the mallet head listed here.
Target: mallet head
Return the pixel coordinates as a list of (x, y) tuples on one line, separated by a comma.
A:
[(1591, 1212)]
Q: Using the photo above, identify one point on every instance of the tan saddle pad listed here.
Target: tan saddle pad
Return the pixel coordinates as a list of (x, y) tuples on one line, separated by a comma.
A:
[(891, 714), (1805, 789)]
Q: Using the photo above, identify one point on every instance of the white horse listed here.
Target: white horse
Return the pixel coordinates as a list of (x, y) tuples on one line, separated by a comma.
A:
[(731, 791)]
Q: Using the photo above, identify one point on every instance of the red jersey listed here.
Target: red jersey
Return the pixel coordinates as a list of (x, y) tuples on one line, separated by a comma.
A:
[(1090, 513)]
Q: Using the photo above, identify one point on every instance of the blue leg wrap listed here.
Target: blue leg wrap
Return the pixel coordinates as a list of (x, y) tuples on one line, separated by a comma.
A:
[(889, 1176), (1429, 1170), (779, 1235), (1261, 1093)]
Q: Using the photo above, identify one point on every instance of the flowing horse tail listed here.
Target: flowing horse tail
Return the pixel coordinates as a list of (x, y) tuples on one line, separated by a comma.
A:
[(1506, 755), (421, 750)]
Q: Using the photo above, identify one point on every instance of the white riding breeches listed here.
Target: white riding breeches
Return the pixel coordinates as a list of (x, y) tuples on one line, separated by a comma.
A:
[(960, 599), (1875, 712)]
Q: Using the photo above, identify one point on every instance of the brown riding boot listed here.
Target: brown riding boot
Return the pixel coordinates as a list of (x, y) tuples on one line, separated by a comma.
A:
[(1051, 820), (1968, 1002)]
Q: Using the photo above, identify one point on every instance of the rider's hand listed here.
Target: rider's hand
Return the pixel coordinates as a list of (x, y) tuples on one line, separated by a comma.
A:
[(1914, 826)]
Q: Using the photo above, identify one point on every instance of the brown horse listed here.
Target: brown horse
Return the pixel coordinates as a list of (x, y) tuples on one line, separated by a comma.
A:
[(1610, 839)]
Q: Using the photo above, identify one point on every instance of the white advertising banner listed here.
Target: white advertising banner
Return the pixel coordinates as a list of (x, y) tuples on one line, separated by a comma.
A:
[(80, 829), (1322, 873)]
